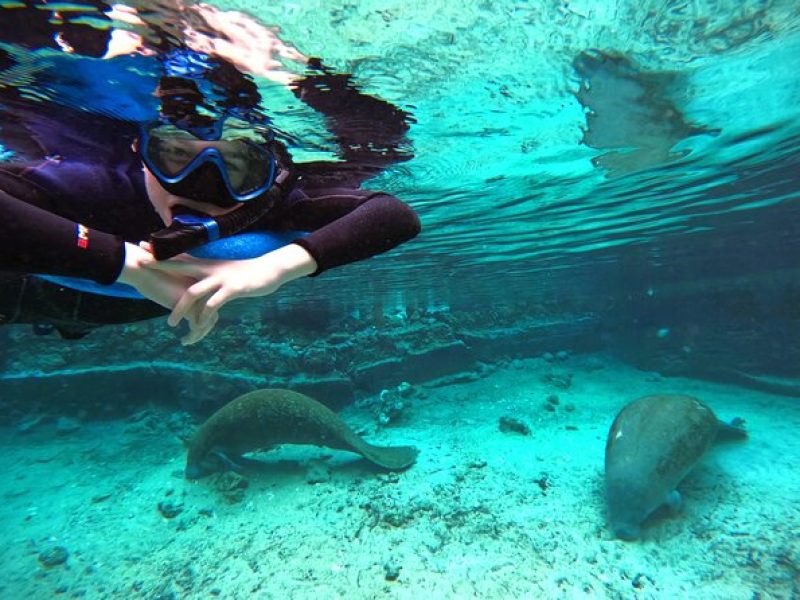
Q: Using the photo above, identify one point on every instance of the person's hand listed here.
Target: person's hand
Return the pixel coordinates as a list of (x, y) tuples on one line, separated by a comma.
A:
[(162, 288), (123, 43), (126, 32), (220, 281), (239, 38)]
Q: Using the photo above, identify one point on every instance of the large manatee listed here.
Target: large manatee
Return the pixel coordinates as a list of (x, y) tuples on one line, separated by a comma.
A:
[(271, 417), (652, 445)]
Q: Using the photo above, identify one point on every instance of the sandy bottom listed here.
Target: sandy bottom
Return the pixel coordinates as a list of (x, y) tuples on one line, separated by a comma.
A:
[(483, 514)]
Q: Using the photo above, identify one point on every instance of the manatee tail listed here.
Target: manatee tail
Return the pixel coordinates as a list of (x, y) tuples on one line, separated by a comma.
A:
[(394, 458), (731, 432)]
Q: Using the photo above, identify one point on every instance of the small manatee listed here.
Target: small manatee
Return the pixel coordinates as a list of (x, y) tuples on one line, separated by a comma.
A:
[(265, 418), (652, 445)]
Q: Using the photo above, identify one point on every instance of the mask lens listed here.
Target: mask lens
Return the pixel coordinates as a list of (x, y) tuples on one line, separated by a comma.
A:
[(249, 167), (174, 154)]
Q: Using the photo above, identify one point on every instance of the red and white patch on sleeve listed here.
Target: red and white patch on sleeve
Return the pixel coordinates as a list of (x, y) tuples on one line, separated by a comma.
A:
[(83, 236)]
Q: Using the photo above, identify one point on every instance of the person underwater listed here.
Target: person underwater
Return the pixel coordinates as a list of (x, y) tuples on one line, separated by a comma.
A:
[(208, 183)]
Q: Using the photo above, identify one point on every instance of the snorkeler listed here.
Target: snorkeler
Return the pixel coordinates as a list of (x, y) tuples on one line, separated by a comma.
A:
[(86, 209)]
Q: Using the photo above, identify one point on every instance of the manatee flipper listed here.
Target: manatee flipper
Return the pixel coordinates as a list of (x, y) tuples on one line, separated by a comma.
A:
[(674, 502), (393, 458), (231, 463), (731, 432)]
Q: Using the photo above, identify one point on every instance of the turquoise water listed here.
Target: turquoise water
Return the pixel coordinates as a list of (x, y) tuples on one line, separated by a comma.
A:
[(609, 194), (501, 177)]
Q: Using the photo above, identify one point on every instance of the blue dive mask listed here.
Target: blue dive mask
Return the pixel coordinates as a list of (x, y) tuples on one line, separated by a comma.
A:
[(222, 171)]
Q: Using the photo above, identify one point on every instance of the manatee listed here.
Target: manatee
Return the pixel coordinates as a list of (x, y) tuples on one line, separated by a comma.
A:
[(265, 418), (652, 445)]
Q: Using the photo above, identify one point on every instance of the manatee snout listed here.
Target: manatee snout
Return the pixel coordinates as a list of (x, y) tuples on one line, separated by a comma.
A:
[(193, 472), (627, 504), (197, 469), (627, 531), (201, 466)]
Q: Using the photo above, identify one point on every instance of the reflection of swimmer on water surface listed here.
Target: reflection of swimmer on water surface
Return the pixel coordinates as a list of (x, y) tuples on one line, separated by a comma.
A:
[(82, 211), (630, 114), (83, 29), (105, 30), (212, 48)]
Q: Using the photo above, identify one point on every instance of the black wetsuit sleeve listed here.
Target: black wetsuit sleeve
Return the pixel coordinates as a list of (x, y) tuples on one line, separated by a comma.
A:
[(348, 225), (34, 240), (370, 132)]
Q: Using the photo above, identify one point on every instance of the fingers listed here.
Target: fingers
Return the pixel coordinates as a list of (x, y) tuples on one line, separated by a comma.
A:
[(216, 301), (193, 294), (175, 263), (201, 320), (199, 331), (290, 52), (201, 325), (180, 265)]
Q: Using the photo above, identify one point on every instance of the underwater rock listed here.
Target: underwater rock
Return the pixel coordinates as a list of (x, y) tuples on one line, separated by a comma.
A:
[(543, 482), (437, 359), (772, 384), (335, 388), (265, 418), (652, 445), (562, 381), (537, 338), (391, 571), (392, 403), (368, 376), (169, 509), (318, 472), (30, 423), (512, 425), (67, 425), (318, 359), (53, 556), (231, 485)]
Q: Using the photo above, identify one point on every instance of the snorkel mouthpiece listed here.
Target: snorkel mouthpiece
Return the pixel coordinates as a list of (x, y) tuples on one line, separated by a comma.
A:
[(183, 234), (188, 231)]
